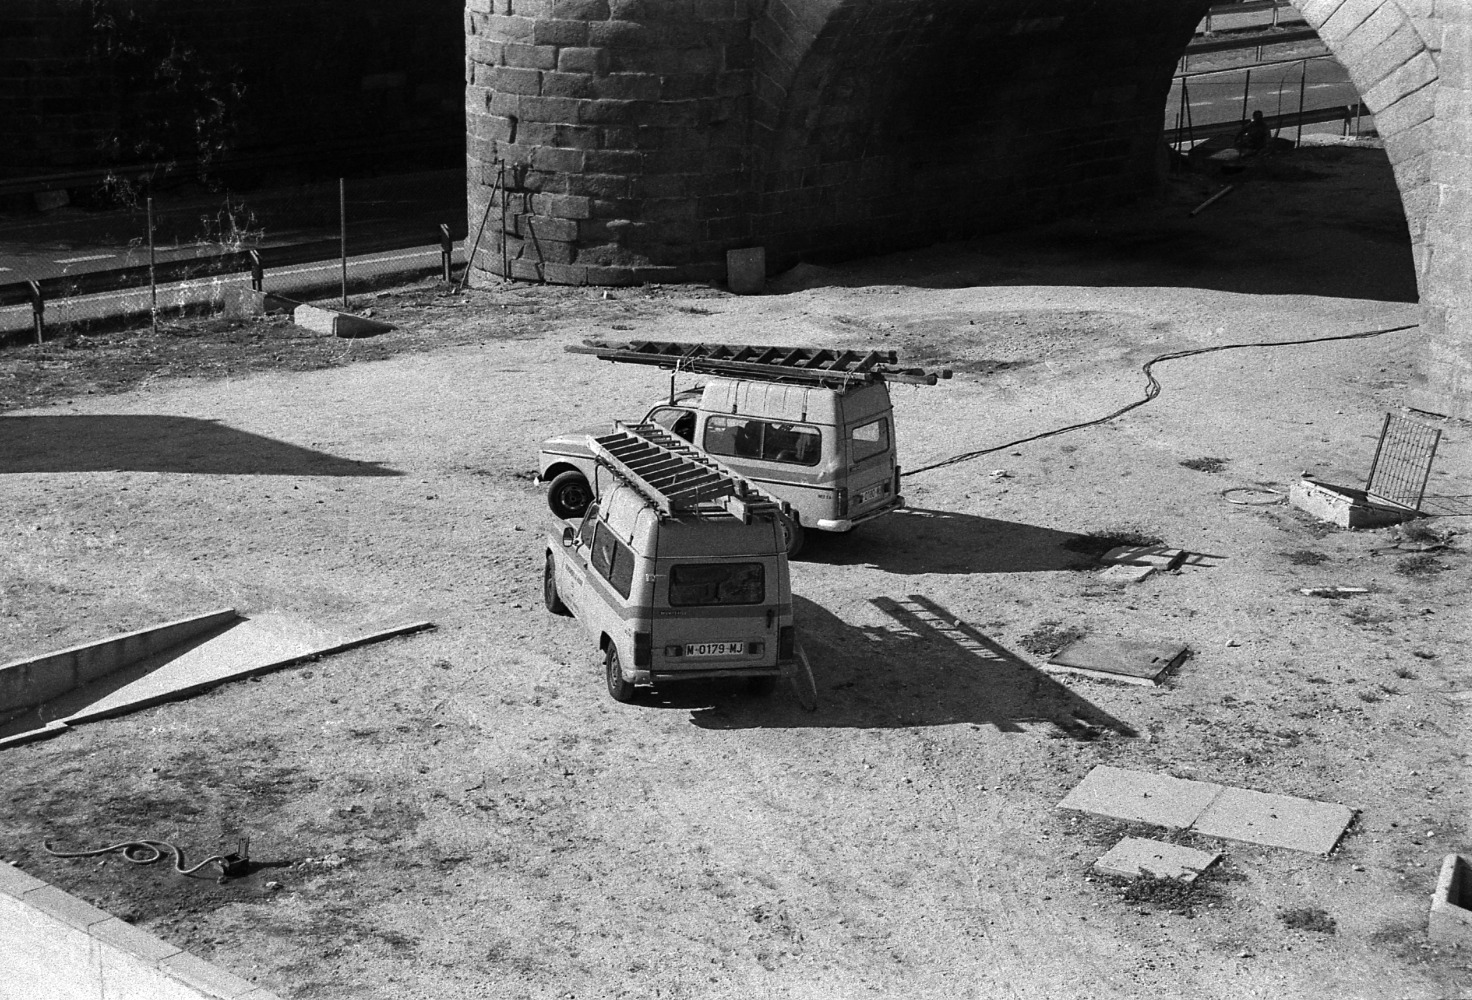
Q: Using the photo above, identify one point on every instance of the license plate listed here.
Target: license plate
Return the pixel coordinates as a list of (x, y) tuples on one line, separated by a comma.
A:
[(715, 648), (871, 494)]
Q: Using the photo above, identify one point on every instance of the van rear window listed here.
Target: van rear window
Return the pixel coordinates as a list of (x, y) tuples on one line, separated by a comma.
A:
[(868, 440), (702, 584)]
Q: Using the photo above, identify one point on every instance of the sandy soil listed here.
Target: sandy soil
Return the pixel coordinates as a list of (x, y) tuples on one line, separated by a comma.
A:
[(466, 813)]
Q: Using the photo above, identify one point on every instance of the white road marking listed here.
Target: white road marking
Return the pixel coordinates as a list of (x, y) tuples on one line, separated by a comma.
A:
[(78, 260)]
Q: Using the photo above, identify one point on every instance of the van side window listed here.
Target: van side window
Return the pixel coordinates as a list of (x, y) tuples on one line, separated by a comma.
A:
[(770, 441), (868, 440), (613, 560), (703, 584)]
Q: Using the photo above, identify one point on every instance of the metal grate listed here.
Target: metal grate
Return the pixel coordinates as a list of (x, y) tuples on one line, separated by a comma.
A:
[(812, 365), (674, 477), (1402, 462)]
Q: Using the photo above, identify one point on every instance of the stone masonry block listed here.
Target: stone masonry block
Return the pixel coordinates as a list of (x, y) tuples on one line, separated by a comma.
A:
[(628, 87), (511, 28), (618, 34), (562, 206), (567, 85), (14, 882), (560, 33), (1402, 49), (1316, 12), (527, 56), (211, 979), (1408, 111), (133, 940), (1377, 35), (1346, 17), (65, 907), (576, 60), (578, 10), (512, 80)]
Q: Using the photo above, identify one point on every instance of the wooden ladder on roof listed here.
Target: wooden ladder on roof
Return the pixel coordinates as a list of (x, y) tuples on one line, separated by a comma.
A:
[(807, 365), (675, 478)]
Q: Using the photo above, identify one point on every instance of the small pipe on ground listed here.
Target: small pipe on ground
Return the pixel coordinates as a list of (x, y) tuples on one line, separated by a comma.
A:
[(1213, 198)]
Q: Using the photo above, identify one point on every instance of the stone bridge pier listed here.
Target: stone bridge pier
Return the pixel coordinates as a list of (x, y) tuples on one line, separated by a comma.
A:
[(626, 141)]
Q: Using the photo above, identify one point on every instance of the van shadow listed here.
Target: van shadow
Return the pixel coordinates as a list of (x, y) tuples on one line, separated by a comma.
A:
[(922, 667), (157, 443), (916, 540)]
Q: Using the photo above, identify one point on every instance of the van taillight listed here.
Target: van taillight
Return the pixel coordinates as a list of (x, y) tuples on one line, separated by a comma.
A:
[(895, 490), (787, 643), (840, 495), (643, 648)]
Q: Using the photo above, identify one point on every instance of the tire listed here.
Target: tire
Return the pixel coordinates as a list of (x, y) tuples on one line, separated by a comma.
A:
[(550, 596), (796, 536), (569, 494), (761, 686), (618, 688)]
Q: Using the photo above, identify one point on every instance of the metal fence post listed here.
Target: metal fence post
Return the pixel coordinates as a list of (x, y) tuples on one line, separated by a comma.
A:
[(342, 216), (38, 310), (152, 273), (1246, 90), (447, 247), (257, 272), (1302, 89)]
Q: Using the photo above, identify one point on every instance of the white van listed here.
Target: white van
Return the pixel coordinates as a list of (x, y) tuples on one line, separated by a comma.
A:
[(819, 439), (677, 570)]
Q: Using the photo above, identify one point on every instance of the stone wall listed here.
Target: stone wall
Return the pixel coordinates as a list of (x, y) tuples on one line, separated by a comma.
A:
[(86, 84)]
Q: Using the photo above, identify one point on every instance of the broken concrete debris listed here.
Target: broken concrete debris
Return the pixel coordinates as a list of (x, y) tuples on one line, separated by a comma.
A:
[(1136, 856), (1450, 920)]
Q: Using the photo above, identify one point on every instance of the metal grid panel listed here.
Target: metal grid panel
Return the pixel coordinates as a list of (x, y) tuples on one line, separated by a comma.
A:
[(1402, 462)]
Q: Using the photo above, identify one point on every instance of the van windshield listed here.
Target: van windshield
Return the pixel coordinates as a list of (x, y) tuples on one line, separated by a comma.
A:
[(868, 440), (705, 584)]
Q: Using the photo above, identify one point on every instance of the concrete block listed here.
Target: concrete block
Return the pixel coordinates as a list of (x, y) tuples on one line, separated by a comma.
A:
[(331, 323), (206, 977), (1450, 920), (1275, 820), (1136, 856), (137, 942), (16, 883), (746, 270), (64, 907), (1137, 797), (1126, 573), (1344, 505)]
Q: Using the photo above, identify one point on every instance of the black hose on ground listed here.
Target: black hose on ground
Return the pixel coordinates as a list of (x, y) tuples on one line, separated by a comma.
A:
[(1152, 389)]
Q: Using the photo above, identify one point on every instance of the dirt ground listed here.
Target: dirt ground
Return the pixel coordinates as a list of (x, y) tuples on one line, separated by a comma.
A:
[(466, 813)]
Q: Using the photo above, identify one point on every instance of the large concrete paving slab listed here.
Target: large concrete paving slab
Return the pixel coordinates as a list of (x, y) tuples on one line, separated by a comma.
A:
[(1275, 820), (1137, 797), (247, 647), (1136, 856), (1130, 661)]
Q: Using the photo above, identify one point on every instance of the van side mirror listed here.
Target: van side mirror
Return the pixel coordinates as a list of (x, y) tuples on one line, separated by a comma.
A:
[(568, 537)]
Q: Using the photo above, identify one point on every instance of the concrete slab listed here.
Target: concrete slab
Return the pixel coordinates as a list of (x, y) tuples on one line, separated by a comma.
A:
[(246, 648), (1344, 505), (1132, 661), (1274, 820), (746, 270), (1135, 856), (1126, 573), (1134, 796)]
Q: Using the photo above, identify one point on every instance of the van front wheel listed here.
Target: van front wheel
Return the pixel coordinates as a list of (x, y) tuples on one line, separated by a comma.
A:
[(550, 597), (618, 688), (569, 495)]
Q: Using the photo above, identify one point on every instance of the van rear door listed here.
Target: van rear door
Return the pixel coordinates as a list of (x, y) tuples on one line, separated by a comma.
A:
[(870, 459), (717, 616)]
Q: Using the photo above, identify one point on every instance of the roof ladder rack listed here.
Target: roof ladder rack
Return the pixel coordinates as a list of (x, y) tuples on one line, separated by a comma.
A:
[(675, 478), (809, 365)]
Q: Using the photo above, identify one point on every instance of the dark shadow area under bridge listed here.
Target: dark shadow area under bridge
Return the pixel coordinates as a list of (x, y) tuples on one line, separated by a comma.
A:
[(922, 667), (1319, 220), (158, 443)]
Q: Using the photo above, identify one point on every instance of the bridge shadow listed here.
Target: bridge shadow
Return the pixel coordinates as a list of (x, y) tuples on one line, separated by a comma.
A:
[(917, 540), (1317, 221), (156, 443), (923, 667)]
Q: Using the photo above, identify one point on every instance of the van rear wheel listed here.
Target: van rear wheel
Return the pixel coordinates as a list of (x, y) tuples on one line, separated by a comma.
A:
[(618, 688), (550, 597), (569, 494), (793, 532)]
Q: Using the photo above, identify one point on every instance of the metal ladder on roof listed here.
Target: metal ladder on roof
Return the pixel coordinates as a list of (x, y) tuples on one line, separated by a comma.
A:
[(807, 365), (676, 478)]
